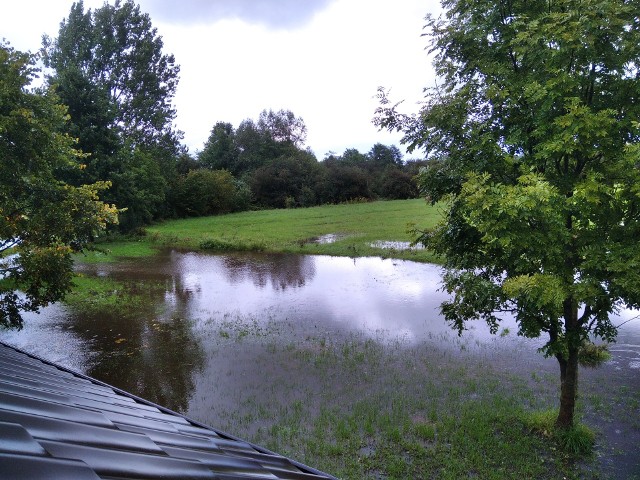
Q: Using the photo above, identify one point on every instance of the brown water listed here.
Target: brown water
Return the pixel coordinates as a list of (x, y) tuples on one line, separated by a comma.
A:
[(217, 331)]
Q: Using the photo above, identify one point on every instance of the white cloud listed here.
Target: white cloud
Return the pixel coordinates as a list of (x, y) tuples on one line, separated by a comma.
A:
[(326, 71), (271, 13)]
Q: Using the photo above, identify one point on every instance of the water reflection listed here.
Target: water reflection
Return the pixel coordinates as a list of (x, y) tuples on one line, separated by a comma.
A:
[(157, 346), (142, 352), (226, 337), (278, 271), (365, 294)]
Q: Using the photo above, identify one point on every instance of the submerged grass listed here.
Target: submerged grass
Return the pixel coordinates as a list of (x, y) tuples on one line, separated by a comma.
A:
[(363, 408), (93, 296), (357, 407)]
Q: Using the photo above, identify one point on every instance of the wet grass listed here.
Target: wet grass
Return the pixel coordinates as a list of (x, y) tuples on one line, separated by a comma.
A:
[(92, 296), (364, 407), (578, 440), (355, 226), (372, 408), (111, 251)]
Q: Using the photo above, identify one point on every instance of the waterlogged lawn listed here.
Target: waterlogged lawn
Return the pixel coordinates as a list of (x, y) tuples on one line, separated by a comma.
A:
[(92, 296), (363, 408), (346, 403)]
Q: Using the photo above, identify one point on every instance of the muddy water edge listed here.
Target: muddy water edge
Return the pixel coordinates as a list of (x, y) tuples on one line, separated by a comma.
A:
[(322, 357)]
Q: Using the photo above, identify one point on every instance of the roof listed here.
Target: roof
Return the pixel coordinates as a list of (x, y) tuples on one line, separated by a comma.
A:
[(60, 424)]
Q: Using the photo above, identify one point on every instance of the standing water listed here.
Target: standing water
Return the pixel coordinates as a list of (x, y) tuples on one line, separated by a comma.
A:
[(216, 335)]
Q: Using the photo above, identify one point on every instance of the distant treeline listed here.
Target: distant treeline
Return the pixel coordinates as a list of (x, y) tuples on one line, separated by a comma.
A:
[(263, 164), (107, 66)]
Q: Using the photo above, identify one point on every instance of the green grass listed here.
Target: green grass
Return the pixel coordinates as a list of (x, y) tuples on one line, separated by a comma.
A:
[(577, 440), (356, 226), (92, 296), (112, 251)]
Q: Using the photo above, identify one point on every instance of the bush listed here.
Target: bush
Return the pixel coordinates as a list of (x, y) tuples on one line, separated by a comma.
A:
[(205, 192)]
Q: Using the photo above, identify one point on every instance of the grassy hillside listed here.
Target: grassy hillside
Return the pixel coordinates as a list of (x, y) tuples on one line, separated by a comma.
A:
[(356, 230)]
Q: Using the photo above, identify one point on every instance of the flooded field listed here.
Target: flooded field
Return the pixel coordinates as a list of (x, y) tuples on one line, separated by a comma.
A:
[(268, 347)]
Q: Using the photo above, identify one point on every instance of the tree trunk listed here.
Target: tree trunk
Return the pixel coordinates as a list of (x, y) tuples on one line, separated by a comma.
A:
[(568, 388), (569, 366)]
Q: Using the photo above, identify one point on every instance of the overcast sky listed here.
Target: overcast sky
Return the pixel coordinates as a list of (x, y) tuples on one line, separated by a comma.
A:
[(321, 59)]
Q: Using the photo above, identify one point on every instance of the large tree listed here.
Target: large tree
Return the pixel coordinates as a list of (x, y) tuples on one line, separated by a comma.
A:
[(254, 144), (221, 150), (42, 219), (532, 139), (283, 127), (108, 66)]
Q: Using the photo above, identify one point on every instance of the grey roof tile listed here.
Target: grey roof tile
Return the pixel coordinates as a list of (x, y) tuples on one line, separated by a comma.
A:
[(34, 406), (16, 439), (115, 463), (58, 424), (37, 468), (65, 431)]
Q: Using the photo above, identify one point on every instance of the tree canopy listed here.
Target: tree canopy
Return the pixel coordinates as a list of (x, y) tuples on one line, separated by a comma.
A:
[(42, 219), (532, 139), (115, 54), (109, 68)]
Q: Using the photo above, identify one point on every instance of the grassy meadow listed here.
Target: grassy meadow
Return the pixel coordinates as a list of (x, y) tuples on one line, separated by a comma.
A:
[(354, 230)]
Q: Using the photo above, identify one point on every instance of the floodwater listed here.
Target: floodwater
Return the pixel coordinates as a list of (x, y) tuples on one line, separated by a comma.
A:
[(213, 331)]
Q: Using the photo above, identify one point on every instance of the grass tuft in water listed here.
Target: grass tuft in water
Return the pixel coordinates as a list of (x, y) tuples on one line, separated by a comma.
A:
[(219, 245), (578, 440)]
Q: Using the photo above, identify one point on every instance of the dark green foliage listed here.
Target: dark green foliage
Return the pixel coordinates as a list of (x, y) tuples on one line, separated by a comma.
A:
[(116, 51), (345, 182), (221, 150), (268, 154), (242, 196), (185, 163), (42, 219), (287, 181), (138, 183), (592, 355), (381, 156), (533, 139), (380, 173), (397, 184), (205, 192), (253, 144), (110, 70)]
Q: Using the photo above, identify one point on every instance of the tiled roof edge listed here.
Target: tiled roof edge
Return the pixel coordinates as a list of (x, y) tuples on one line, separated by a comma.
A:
[(301, 466)]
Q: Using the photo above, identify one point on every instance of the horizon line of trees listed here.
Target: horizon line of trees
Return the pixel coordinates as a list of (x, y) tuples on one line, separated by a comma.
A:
[(108, 67), (264, 164)]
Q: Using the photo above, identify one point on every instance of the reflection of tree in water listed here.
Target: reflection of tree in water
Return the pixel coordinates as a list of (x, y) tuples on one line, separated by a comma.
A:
[(137, 351), (145, 343), (281, 271)]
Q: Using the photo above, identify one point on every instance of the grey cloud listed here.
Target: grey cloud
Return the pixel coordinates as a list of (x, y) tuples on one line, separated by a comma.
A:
[(275, 14)]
